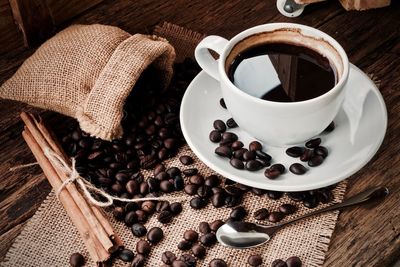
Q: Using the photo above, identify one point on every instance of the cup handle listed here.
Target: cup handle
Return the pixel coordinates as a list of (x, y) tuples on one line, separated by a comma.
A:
[(353, 104), (204, 57)]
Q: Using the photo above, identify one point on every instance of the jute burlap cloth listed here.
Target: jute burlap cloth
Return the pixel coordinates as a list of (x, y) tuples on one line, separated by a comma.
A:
[(49, 237)]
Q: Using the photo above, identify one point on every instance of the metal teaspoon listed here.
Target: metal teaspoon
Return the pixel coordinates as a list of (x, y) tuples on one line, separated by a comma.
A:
[(237, 234)]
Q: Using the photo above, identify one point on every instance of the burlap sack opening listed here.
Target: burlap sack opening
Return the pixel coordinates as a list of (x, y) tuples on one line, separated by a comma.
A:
[(87, 72)]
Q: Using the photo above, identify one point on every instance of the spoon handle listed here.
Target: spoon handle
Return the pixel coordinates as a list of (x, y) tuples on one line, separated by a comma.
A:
[(368, 195)]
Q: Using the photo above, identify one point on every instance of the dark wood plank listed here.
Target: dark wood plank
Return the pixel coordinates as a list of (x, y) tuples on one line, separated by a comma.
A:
[(10, 37), (372, 40), (33, 19)]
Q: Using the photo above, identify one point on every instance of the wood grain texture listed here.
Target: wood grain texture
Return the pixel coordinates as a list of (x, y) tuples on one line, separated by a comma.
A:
[(364, 236), (10, 37)]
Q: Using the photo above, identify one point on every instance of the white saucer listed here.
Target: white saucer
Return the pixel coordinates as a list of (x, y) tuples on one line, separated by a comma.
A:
[(200, 107)]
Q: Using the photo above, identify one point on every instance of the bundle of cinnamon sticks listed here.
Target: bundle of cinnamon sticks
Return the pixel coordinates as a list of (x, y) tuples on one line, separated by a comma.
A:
[(93, 226)]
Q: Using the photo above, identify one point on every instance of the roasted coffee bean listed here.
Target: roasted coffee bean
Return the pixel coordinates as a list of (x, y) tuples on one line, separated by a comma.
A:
[(197, 179), (294, 151), (322, 151), (307, 154), (253, 165), (238, 154), (238, 213), (215, 225), (119, 213), (198, 251), (278, 263), (155, 235), (217, 263), (167, 186), (186, 160), (143, 247), (190, 172), (237, 145), (190, 235), (148, 206), (191, 189), (297, 168), (255, 145), (117, 188), (325, 196), (76, 260), (126, 255), (229, 137), (173, 171), (144, 188), (249, 155), (170, 143), (204, 228), (184, 245), (168, 257), (257, 191), (261, 214), (162, 176), (311, 202), (141, 216), (218, 200), (162, 154), (130, 218), (293, 261), (179, 183), (154, 184), (204, 191), (208, 239), (138, 229), (254, 260), (162, 205), (212, 180), (219, 125), (274, 194), (315, 161), (106, 182), (165, 216), (215, 136), (158, 168), (179, 263), (217, 189), (222, 103), (272, 173), (330, 127), (233, 190), (232, 201), (295, 196), (176, 208), (231, 123), (188, 259), (237, 163), (121, 177), (262, 155), (131, 206), (223, 151), (138, 261), (147, 162), (313, 143), (198, 203), (275, 216), (287, 209), (278, 167)]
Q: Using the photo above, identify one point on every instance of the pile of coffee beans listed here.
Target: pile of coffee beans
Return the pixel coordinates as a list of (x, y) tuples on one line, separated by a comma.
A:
[(293, 261), (254, 159), (197, 243)]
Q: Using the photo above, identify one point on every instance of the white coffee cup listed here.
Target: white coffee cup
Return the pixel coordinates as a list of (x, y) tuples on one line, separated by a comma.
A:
[(278, 123)]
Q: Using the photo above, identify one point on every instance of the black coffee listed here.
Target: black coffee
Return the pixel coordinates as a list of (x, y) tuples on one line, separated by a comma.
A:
[(301, 73)]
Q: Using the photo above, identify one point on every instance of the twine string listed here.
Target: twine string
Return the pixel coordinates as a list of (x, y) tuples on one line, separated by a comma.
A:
[(87, 187)]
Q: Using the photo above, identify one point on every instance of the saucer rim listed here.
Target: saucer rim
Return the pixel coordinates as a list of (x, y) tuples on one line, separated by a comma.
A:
[(286, 188)]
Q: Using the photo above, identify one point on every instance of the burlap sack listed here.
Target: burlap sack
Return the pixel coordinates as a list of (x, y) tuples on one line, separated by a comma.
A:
[(87, 72)]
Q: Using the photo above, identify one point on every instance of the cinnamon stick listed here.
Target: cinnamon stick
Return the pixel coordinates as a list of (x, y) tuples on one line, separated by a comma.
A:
[(94, 247), (87, 212)]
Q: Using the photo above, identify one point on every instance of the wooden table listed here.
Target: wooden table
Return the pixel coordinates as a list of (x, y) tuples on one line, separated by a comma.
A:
[(363, 237)]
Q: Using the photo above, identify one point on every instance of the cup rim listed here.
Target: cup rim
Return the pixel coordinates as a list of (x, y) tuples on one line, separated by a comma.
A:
[(281, 25)]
